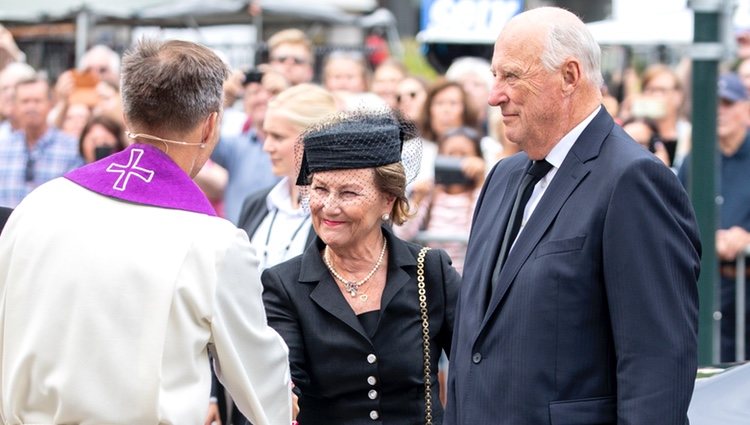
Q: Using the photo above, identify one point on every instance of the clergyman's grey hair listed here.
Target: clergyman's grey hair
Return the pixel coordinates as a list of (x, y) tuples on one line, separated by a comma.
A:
[(171, 85)]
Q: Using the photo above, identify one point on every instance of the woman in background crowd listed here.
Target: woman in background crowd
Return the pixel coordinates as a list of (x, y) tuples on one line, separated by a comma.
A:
[(278, 227), (101, 137), (646, 133), (443, 212), (385, 80), (663, 101), (411, 94)]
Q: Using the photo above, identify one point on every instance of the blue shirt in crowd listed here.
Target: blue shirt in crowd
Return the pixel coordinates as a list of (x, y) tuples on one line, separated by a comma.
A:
[(733, 186), (23, 169), (249, 169)]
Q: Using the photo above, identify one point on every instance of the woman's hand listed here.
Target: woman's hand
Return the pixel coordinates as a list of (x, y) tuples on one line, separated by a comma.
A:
[(295, 406), (420, 190), (213, 417), (474, 168)]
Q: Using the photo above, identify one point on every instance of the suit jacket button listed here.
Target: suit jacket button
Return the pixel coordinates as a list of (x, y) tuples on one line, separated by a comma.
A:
[(372, 394), (374, 415), (371, 358), (372, 380), (476, 358)]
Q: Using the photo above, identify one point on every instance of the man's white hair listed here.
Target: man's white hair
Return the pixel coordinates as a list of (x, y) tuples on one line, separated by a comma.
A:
[(565, 41)]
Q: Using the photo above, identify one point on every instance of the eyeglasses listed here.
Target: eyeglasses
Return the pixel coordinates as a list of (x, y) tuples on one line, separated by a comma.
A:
[(658, 90), (29, 173), (412, 95), (282, 59), (97, 69)]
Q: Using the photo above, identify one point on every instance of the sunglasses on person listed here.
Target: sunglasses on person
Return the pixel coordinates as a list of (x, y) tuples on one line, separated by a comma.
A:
[(412, 95), (296, 59)]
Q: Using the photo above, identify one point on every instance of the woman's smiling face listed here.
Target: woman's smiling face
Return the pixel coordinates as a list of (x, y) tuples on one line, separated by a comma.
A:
[(346, 206)]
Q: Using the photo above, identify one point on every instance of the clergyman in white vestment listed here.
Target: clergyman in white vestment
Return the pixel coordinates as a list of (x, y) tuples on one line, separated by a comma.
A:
[(117, 279)]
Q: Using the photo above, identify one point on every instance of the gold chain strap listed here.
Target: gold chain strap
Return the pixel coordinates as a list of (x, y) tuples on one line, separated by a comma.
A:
[(425, 336)]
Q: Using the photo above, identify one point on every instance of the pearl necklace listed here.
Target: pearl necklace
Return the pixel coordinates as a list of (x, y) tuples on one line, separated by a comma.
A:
[(352, 287)]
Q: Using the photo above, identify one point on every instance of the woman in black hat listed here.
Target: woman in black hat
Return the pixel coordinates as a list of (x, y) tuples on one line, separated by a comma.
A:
[(349, 306)]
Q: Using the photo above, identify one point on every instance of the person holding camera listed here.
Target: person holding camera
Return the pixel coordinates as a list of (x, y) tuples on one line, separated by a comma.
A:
[(443, 211), (645, 131)]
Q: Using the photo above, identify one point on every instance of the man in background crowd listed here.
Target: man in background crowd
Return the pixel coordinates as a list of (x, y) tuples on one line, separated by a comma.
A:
[(290, 52), (733, 234), (37, 152)]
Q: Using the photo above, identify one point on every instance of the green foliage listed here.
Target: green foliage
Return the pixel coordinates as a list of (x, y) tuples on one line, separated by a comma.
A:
[(415, 61)]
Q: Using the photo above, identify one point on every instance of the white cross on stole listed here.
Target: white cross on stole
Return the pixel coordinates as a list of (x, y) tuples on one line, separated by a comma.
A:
[(125, 171)]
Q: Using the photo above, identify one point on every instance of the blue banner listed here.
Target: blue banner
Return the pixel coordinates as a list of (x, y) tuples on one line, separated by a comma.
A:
[(465, 21)]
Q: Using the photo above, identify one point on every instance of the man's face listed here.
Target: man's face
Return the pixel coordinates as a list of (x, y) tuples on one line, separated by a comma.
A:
[(32, 104), (100, 65), (733, 119), (293, 61), (529, 95), (256, 102)]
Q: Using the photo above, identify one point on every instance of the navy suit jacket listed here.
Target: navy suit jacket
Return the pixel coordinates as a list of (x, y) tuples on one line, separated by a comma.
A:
[(594, 318)]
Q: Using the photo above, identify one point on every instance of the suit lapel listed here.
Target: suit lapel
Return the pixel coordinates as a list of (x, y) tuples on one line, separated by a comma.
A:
[(328, 296), (399, 256), (566, 180), (326, 293), (573, 170)]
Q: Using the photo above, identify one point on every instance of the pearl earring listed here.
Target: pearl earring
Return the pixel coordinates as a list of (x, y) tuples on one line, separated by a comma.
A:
[(385, 217)]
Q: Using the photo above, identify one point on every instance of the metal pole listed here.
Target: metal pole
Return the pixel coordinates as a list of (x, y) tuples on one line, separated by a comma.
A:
[(739, 314), (706, 53), (82, 33)]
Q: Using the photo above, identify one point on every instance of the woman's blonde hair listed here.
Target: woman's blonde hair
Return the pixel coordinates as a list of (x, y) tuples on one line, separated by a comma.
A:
[(304, 105)]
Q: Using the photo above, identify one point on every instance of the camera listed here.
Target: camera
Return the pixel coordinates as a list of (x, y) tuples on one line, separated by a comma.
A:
[(253, 76), (103, 152), (448, 171)]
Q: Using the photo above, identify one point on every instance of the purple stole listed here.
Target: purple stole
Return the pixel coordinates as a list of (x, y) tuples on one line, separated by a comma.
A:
[(144, 175)]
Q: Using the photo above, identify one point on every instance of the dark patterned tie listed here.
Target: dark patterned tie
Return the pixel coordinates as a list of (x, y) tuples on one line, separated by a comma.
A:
[(538, 170)]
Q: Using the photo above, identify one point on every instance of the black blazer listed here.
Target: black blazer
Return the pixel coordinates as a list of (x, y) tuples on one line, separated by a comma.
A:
[(342, 376), (255, 209), (4, 214)]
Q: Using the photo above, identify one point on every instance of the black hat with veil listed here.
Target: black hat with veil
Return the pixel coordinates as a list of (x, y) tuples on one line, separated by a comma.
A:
[(360, 139)]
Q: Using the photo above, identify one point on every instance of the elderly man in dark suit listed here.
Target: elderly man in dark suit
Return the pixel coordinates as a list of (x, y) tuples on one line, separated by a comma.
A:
[(579, 297)]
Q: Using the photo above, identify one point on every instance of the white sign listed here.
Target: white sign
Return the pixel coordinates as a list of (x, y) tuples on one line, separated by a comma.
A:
[(465, 21)]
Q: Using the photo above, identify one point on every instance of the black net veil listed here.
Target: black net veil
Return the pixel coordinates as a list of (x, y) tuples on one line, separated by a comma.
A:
[(353, 143)]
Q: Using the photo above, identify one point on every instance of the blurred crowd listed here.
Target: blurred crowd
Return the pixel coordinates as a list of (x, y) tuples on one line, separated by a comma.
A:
[(50, 127)]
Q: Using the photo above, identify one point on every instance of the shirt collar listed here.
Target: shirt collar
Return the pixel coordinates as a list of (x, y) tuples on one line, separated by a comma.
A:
[(560, 150), (278, 198)]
